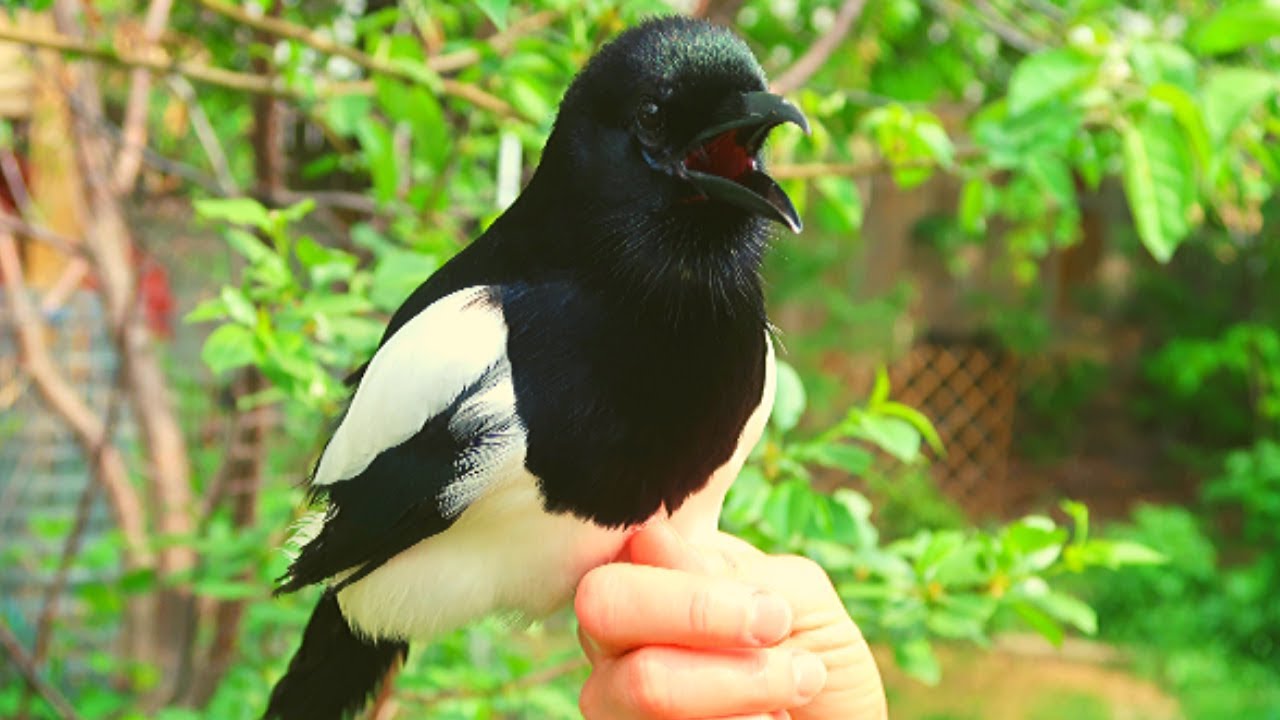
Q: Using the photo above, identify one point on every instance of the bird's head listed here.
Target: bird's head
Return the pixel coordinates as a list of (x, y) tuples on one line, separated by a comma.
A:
[(669, 119)]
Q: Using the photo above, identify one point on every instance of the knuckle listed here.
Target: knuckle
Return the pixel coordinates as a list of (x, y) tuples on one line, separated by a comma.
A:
[(590, 700), (595, 600), (649, 685), (806, 569), (702, 612)]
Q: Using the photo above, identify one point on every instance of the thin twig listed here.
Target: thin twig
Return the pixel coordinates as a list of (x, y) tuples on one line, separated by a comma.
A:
[(399, 71), (13, 648), (817, 55), (18, 226), (205, 134), (196, 71), (11, 173), (71, 546), (500, 43), (809, 171), (129, 159), (1012, 36)]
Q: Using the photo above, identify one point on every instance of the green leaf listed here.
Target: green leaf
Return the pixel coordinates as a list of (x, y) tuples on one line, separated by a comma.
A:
[(1164, 63), (974, 198), (1039, 620), (916, 658), (891, 434), (1079, 514), (250, 247), (917, 420), (495, 10), (1238, 25), (840, 456), (378, 147), (418, 107), (879, 390), (1188, 114), (397, 273), (211, 309), (238, 306), (227, 589), (1230, 94), (1112, 554), (789, 399), (1048, 75), (240, 211), (1069, 610), (1158, 182), (230, 346)]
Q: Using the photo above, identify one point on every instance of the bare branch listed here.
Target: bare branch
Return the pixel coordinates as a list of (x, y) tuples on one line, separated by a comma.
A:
[(64, 401), (285, 29), (18, 226), (816, 56), (500, 42), (13, 648), (129, 160), (230, 79), (205, 134), (71, 545), (809, 171), (990, 19)]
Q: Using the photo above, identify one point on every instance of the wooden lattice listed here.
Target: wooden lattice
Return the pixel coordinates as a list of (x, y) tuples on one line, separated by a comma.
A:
[(969, 392)]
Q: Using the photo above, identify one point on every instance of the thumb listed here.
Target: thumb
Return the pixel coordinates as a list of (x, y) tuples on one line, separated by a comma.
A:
[(659, 544)]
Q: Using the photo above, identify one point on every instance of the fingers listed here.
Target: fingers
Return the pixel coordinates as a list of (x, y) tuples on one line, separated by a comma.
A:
[(621, 607), (659, 544), (667, 683)]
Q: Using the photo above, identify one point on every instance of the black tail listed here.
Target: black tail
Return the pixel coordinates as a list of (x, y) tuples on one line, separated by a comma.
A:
[(334, 672)]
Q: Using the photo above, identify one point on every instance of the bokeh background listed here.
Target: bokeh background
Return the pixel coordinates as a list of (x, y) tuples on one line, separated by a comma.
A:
[(1029, 416)]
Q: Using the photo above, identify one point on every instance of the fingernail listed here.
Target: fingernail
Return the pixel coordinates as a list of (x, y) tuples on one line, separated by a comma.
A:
[(771, 618), (810, 674)]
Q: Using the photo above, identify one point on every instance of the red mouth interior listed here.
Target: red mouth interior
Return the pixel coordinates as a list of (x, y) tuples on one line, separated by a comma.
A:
[(723, 156)]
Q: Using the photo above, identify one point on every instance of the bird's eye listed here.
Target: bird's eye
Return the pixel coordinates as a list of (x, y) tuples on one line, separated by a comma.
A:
[(649, 120)]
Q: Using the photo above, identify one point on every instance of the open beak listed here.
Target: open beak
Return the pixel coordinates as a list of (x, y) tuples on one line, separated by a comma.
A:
[(723, 162)]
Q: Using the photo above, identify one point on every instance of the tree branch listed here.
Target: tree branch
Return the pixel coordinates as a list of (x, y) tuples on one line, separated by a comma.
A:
[(242, 82), (501, 42), (399, 71), (816, 56), (62, 399), (129, 160), (72, 544), (13, 648), (809, 171)]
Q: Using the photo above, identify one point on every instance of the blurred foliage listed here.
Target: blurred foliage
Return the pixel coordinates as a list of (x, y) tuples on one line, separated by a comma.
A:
[(1027, 105)]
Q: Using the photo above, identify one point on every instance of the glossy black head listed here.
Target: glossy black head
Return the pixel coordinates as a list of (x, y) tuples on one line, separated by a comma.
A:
[(677, 109), (658, 146)]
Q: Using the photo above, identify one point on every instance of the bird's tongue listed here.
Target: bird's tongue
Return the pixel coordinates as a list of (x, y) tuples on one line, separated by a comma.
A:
[(722, 155)]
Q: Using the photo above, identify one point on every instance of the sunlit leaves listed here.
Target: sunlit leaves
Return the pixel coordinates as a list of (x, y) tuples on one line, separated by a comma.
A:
[(1048, 75), (1158, 181), (1238, 24)]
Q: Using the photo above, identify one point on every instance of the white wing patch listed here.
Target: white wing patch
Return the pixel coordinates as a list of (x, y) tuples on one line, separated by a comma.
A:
[(453, 343)]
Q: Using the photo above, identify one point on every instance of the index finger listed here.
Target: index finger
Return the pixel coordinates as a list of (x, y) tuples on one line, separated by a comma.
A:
[(622, 607)]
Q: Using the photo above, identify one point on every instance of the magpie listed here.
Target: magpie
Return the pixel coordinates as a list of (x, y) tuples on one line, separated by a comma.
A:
[(599, 355)]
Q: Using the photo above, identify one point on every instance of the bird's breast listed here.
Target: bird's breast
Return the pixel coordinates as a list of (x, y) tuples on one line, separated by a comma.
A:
[(625, 417)]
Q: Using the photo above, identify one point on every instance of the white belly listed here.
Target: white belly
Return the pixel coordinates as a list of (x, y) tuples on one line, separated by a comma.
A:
[(504, 554)]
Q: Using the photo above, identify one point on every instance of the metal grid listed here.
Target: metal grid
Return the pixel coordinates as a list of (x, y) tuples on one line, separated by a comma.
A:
[(43, 473), (969, 391)]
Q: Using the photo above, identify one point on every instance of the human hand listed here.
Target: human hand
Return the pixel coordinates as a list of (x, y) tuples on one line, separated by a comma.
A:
[(720, 630)]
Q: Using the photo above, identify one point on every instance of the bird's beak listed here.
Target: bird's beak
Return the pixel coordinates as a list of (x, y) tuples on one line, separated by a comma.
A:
[(723, 161)]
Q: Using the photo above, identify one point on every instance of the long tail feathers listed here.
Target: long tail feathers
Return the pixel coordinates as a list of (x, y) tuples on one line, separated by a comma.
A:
[(335, 671)]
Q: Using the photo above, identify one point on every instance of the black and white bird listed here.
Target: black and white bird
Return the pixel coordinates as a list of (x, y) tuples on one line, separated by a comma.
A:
[(598, 356)]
